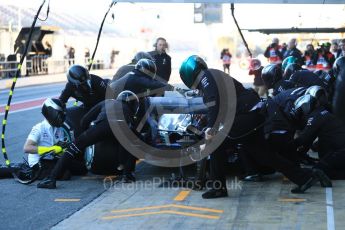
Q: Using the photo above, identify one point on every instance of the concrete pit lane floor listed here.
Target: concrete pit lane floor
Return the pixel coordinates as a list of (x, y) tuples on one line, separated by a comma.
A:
[(250, 205)]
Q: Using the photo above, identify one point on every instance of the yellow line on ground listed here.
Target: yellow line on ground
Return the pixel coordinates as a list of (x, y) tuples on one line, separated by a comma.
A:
[(66, 200), (292, 200), (192, 214), (162, 212), (169, 206), (197, 208), (140, 209), (130, 215), (182, 195)]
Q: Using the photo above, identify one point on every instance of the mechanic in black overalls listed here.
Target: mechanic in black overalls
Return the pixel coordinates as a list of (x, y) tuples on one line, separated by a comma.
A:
[(330, 131), (291, 69), (195, 74), (339, 92), (273, 78), (306, 78), (281, 126), (84, 87), (271, 155), (127, 103), (141, 81)]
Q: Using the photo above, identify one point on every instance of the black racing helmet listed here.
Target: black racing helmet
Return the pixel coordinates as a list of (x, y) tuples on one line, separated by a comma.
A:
[(303, 106), (131, 99), (147, 66), (318, 93), (338, 65), (271, 74), (54, 111), (79, 76), (327, 78), (141, 55), (291, 69)]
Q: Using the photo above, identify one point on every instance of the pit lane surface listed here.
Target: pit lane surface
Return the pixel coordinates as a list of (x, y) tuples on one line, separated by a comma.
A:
[(92, 202)]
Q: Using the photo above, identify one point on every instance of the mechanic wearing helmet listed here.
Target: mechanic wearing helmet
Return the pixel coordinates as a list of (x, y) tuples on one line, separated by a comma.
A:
[(330, 131), (272, 77), (141, 81), (279, 132), (306, 78), (84, 87), (128, 103), (338, 65), (196, 75), (87, 88), (290, 69), (50, 135), (123, 70), (339, 92), (255, 68), (289, 60)]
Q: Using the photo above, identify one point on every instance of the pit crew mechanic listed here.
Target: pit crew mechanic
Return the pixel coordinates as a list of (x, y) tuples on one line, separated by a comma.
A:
[(50, 136), (127, 103), (195, 74)]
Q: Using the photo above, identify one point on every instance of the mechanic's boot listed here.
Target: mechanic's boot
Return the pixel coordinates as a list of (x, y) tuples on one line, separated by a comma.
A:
[(128, 178), (47, 183), (323, 178), (215, 193), (302, 188)]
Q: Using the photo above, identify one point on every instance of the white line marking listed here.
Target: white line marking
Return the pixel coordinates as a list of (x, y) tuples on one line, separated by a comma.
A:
[(330, 211)]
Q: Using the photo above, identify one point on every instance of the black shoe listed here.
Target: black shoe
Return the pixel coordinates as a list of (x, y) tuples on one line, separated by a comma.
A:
[(323, 178), (302, 188), (253, 178), (215, 193), (47, 183), (128, 178)]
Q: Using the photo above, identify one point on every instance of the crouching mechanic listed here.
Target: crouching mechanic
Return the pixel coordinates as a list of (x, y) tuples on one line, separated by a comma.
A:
[(50, 135), (127, 103), (330, 131)]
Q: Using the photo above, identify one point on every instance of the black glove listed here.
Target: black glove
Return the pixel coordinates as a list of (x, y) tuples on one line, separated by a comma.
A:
[(63, 144)]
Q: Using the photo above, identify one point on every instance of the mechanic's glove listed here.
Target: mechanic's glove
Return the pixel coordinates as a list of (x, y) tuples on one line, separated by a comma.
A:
[(63, 144), (209, 133), (73, 150), (202, 147), (41, 150)]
